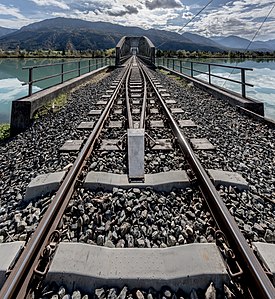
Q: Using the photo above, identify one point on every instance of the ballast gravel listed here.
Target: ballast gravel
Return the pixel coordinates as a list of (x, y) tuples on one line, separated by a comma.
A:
[(242, 144), (53, 291)]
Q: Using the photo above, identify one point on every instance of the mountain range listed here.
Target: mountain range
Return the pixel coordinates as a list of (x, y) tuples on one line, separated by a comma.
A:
[(5, 31), (65, 33)]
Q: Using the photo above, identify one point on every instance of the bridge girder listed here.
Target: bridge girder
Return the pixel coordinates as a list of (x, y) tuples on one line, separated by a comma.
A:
[(140, 45)]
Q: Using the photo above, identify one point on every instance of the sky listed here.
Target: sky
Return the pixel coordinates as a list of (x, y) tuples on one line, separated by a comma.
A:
[(220, 18)]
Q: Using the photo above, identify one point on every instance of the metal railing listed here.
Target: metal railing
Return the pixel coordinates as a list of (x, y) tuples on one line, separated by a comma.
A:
[(92, 65), (178, 65)]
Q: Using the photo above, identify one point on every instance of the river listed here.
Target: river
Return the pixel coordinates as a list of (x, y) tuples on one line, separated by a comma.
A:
[(12, 76)]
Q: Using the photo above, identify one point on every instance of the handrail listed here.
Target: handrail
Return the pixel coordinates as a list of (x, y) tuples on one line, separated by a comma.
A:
[(222, 65), (52, 64), (192, 70), (98, 63)]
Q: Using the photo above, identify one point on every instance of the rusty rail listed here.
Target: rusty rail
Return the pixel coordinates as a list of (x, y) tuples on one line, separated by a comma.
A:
[(18, 282), (259, 282)]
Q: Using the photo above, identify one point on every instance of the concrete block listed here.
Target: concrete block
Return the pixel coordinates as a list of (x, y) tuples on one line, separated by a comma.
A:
[(152, 102), (115, 124), (170, 101), (119, 102), (176, 110), (223, 94), (156, 124), (136, 147), (165, 94), (136, 111), (44, 184), (95, 112), (118, 111), (71, 146), (8, 251), (111, 91), (136, 95), (106, 96), (136, 90), (163, 145), (136, 124), (154, 111), (136, 102), (101, 102), (163, 181), (201, 144), (227, 178), (24, 109), (135, 83), (187, 123), (89, 267), (166, 181), (266, 253), (86, 125), (109, 145)]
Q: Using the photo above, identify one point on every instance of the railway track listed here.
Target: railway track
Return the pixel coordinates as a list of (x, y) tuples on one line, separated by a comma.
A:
[(135, 126)]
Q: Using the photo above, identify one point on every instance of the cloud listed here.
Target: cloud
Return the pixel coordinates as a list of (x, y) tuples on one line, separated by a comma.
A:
[(235, 18), (162, 4), (56, 3), (128, 9), (12, 17), (131, 9), (10, 11)]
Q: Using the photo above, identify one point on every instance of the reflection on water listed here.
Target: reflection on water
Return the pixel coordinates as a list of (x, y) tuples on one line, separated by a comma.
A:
[(262, 77), (12, 76), (11, 89)]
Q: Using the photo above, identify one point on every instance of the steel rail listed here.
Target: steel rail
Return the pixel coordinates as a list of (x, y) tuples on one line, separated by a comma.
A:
[(259, 282), (127, 98), (144, 100), (17, 283)]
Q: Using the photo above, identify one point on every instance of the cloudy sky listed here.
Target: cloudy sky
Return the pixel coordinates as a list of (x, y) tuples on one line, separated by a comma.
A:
[(241, 18)]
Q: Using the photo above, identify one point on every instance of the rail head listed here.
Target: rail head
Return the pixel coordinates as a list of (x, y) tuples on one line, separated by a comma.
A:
[(17, 283), (259, 281)]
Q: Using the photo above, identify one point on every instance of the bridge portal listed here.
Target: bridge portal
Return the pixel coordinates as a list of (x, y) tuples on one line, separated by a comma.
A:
[(135, 45)]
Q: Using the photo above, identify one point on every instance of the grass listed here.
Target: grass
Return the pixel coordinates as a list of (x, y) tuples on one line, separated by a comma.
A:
[(4, 131), (180, 80), (53, 106)]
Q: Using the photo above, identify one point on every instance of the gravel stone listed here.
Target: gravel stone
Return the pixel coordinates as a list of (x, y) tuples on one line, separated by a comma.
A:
[(76, 295)]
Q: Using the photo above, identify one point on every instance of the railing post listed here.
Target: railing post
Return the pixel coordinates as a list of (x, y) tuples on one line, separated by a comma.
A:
[(78, 68), (62, 73), (167, 62), (163, 61), (192, 69), (96, 63), (243, 82), (173, 65), (209, 73), (89, 65), (180, 66), (30, 80)]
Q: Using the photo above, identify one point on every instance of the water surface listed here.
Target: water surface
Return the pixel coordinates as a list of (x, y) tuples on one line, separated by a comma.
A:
[(262, 77), (13, 76)]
